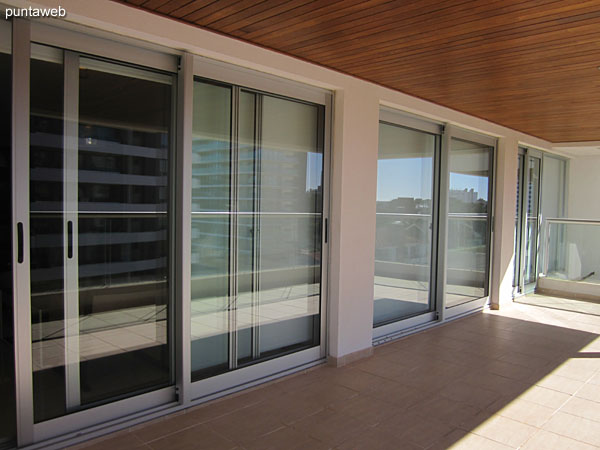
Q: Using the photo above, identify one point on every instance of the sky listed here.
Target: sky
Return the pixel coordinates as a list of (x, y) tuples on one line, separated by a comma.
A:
[(411, 177)]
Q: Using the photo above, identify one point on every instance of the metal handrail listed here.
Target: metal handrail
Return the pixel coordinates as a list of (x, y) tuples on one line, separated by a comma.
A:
[(574, 221), (428, 216)]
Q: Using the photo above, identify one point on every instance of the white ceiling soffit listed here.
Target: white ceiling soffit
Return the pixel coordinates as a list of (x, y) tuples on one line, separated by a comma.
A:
[(578, 149)]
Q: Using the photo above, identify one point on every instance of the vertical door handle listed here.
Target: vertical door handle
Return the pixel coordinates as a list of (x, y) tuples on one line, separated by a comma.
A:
[(20, 242), (70, 239)]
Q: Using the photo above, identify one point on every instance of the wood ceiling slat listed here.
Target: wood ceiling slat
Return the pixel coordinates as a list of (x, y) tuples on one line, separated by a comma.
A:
[(222, 9), (486, 54), (382, 41), (173, 5), (191, 7), (411, 27), (291, 18), (530, 65), (154, 4), (252, 15), (357, 24)]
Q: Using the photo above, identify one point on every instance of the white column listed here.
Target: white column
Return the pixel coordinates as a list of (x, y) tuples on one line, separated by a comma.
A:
[(504, 227), (352, 231)]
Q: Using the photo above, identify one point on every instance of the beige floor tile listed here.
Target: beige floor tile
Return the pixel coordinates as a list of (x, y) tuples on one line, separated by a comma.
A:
[(470, 393), (551, 441), (506, 431), (589, 392), (448, 411), (595, 380), (509, 370), (331, 427), (560, 384), (285, 438), (583, 408), (196, 438), (527, 412), (425, 432), (366, 409), (575, 371), (376, 439), (122, 441), (247, 424), (545, 397), (463, 440), (574, 427)]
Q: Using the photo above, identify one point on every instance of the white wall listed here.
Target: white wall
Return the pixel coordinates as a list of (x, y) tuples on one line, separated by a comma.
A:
[(584, 188), (354, 152)]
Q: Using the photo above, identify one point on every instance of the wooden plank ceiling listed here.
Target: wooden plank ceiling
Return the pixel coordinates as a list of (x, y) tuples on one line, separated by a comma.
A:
[(530, 65)]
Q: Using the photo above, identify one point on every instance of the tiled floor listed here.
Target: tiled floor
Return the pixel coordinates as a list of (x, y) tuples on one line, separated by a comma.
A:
[(523, 377), (566, 304)]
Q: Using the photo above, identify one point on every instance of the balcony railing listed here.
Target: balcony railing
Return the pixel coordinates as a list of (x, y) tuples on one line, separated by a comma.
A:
[(572, 250)]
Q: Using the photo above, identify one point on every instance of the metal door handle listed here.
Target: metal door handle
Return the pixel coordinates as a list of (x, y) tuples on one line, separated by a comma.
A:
[(70, 238), (20, 242)]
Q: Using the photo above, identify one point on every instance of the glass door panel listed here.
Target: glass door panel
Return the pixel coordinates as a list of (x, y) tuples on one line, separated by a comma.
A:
[(47, 253), (518, 226), (469, 211), (123, 230), (403, 243), (279, 227), (101, 303), (257, 186), (532, 221), (211, 159)]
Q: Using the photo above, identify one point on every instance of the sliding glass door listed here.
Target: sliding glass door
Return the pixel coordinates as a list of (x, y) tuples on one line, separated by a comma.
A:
[(433, 223), (405, 207), (101, 303), (257, 216), (528, 221), (468, 221), (157, 261)]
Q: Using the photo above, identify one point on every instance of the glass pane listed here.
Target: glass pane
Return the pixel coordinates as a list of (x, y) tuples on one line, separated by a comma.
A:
[(532, 228), (553, 203), (517, 235), (404, 223), (46, 237), (7, 369), (283, 233), (100, 306), (573, 255), (123, 190), (468, 222), (211, 148), (274, 204)]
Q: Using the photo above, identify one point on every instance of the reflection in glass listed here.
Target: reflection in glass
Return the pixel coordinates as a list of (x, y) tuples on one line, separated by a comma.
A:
[(532, 225), (287, 192), (100, 312), (46, 238), (272, 203), (468, 222), (404, 223), (518, 215), (211, 159)]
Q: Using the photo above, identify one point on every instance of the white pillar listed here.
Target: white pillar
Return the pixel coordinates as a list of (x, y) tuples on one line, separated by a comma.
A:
[(352, 231), (504, 230)]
